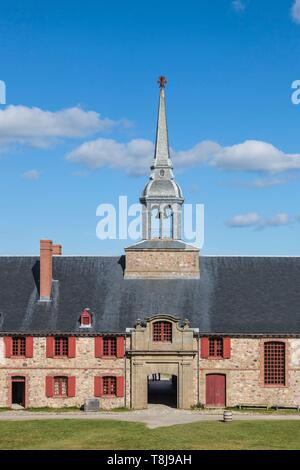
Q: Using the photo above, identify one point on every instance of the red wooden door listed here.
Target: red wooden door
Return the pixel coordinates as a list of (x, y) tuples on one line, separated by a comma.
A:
[(216, 390)]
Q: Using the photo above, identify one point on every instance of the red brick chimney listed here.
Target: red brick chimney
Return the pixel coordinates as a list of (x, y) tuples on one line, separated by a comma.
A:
[(56, 250), (45, 269)]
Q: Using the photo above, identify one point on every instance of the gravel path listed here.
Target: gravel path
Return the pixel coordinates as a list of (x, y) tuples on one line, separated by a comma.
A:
[(155, 416)]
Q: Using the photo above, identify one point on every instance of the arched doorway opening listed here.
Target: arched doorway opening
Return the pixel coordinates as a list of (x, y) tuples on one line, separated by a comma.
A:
[(162, 389)]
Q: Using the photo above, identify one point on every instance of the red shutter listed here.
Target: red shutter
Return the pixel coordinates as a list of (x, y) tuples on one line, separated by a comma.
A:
[(204, 348), (226, 348), (98, 346), (29, 346), (120, 386), (49, 346), (49, 386), (98, 386), (71, 386), (120, 346), (72, 346), (8, 346)]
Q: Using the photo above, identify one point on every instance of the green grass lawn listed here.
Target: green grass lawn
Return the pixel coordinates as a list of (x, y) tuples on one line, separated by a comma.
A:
[(116, 435)]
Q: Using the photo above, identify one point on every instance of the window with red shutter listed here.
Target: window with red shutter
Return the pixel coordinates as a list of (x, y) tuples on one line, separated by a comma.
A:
[(216, 347), (109, 346), (61, 346), (18, 346), (162, 331), (274, 363), (60, 386), (109, 385)]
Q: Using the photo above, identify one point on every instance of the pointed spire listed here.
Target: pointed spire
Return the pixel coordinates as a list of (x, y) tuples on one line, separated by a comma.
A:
[(162, 155)]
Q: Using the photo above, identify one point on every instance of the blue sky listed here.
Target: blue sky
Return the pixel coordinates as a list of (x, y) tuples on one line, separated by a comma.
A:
[(79, 72)]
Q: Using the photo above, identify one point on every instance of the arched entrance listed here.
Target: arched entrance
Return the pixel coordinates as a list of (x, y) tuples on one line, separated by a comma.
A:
[(183, 383), (162, 389)]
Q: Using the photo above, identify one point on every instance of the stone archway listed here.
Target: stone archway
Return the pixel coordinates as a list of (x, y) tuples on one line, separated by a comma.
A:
[(181, 369)]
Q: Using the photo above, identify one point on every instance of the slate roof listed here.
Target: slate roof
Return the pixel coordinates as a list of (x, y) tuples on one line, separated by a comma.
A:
[(235, 295)]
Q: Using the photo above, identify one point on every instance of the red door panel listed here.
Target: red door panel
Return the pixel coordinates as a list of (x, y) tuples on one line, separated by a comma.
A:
[(216, 390)]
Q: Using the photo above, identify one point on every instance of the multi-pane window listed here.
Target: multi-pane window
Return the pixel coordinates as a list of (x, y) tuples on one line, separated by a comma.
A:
[(274, 363), (162, 331), (61, 346), (215, 347), (18, 346), (109, 385), (109, 346), (60, 388)]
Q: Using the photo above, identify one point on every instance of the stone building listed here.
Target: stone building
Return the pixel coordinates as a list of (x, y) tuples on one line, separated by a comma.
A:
[(224, 331)]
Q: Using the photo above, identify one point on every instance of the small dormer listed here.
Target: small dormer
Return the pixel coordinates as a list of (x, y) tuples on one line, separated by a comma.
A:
[(85, 318)]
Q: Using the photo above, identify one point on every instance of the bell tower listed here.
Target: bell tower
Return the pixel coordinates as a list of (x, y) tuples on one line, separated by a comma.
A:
[(162, 253), (162, 197)]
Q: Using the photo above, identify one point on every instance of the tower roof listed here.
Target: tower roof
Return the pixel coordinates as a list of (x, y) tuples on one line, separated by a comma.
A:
[(162, 154)]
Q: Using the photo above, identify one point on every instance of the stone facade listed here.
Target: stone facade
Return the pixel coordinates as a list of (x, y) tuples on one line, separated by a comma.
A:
[(165, 264), (181, 358), (84, 367), (244, 374)]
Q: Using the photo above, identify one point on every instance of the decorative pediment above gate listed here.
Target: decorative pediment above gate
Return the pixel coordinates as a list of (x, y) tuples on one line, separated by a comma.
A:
[(163, 333)]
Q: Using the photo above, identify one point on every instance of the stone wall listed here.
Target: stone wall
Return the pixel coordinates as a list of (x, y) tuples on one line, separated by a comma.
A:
[(84, 367), (163, 264), (244, 371), (244, 374)]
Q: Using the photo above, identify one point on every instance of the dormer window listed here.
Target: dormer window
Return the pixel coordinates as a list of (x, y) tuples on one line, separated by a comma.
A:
[(85, 319), (162, 331)]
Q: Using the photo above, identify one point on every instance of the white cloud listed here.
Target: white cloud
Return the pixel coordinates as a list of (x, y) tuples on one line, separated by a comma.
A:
[(296, 11), (36, 127), (135, 156), (238, 5), (31, 175), (254, 220), (268, 182), (245, 220), (278, 220), (254, 155)]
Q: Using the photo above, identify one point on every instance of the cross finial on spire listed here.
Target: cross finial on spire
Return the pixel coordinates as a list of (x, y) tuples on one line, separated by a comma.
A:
[(162, 81)]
